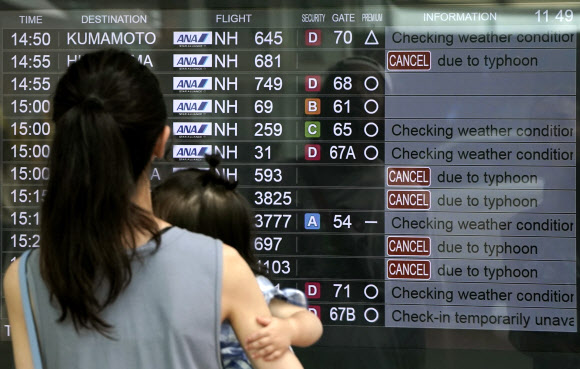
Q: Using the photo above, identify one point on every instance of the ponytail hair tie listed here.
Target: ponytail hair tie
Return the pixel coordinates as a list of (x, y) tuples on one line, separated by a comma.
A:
[(213, 175), (93, 101)]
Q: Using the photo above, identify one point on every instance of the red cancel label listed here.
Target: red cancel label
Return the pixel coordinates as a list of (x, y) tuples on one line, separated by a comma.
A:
[(409, 60), (408, 269), (409, 176), (408, 246), (408, 200)]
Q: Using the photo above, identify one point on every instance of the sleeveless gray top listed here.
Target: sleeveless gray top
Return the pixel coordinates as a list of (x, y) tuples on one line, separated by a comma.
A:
[(168, 316)]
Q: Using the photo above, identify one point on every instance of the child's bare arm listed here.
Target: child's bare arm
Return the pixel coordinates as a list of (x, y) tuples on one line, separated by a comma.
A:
[(241, 302), (290, 325), (307, 327)]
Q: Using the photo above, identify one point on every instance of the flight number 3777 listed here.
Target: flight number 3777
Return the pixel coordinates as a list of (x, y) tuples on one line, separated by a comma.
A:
[(272, 220)]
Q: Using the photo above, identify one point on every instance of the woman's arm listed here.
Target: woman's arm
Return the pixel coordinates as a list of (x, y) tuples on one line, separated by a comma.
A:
[(242, 302), (18, 334)]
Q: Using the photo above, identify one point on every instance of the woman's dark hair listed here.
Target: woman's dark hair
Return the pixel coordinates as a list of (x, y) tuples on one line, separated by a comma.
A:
[(108, 112), (204, 202)]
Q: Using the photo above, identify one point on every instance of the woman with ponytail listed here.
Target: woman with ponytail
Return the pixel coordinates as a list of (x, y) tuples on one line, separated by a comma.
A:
[(113, 286)]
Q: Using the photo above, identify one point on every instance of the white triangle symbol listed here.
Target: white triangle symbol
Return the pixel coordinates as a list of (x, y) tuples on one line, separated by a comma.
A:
[(371, 39)]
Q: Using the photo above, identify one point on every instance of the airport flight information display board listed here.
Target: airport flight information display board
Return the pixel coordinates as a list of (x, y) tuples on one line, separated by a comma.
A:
[(411, 169)]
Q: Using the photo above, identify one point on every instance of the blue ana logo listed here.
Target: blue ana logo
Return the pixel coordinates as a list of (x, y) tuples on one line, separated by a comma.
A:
[(192, 129), (192, 61), (191, 151), (192, 106), (192, 83), (192, 38)]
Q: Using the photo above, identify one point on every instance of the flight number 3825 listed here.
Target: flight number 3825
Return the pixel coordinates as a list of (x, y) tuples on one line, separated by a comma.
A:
[(276, 198)]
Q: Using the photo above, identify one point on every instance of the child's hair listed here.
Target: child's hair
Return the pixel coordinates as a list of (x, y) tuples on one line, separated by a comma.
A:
[(204, 202)]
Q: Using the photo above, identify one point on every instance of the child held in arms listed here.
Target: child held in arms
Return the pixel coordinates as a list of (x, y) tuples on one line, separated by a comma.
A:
[(202, 201)]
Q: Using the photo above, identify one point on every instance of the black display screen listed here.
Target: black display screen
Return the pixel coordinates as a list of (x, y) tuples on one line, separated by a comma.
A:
[(412, 168)]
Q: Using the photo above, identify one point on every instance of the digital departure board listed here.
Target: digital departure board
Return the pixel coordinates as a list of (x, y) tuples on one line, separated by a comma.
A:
[(412, 168)]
